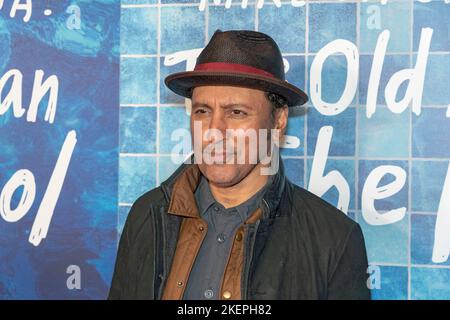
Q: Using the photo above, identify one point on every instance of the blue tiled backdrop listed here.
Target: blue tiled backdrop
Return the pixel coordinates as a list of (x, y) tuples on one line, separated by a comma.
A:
[(400, 252)]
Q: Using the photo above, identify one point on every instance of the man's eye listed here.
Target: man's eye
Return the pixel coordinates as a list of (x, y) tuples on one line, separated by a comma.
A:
[(200, 111), (237, 112)]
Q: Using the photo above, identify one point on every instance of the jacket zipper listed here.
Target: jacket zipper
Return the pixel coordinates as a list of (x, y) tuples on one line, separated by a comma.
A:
[(248, 261), (157, 255)]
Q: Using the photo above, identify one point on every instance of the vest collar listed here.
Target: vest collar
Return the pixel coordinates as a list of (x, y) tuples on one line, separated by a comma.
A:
[(179, 190)]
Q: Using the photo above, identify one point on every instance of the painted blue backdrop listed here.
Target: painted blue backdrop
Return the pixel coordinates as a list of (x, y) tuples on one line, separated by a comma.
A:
[(78, 42)]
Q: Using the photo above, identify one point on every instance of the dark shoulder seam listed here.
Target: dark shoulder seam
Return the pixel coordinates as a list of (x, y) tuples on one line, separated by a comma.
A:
[(144, 202), (355, 226), (308, 196)]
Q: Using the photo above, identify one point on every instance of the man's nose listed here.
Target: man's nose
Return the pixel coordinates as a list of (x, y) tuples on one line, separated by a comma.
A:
[(217, 122)]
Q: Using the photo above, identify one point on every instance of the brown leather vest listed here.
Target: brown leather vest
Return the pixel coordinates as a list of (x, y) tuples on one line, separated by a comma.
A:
[(192, 232)]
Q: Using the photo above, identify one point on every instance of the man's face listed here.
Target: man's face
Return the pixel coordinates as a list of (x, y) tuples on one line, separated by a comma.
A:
[(218, 108)]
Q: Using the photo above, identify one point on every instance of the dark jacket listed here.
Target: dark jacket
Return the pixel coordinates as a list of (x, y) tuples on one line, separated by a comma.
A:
[(301, 248)]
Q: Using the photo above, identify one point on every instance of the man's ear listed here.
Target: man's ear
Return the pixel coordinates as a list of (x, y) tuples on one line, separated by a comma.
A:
[(281, 119)]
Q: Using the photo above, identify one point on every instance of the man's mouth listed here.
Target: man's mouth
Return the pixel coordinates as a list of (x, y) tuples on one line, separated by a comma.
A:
[(220, 157)]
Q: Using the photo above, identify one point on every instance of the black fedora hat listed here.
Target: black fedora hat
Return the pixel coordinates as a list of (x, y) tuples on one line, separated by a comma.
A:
[(241, 58)]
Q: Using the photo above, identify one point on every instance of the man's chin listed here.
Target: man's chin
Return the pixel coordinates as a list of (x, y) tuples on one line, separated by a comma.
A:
[(223, 175)]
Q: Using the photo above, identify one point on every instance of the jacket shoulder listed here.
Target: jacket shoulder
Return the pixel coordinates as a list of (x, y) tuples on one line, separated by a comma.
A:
[(136, 241), (333, 238), (142, 208), (320, 218), (153, 197)]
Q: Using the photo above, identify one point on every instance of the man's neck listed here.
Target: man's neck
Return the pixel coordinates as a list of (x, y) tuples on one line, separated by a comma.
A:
[(242, 191)]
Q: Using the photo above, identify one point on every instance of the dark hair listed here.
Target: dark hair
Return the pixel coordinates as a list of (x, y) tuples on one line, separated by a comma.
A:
[(276, 101)]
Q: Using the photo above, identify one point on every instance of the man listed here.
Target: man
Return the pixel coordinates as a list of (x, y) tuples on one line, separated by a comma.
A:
[(227, 228)]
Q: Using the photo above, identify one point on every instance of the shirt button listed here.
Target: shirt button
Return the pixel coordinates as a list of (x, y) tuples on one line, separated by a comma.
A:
[(201, 228), (227, 294), (221, 238), (239, 236), (216, 208), (180, 283), (209, 293)]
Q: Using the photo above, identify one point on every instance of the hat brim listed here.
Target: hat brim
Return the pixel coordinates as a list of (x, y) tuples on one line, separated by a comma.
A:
[(183, 83)]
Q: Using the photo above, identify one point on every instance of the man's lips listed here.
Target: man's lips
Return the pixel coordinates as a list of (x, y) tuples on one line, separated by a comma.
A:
[(221, 156)]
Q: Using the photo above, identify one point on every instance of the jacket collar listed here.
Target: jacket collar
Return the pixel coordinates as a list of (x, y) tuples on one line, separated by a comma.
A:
[(179, 190)]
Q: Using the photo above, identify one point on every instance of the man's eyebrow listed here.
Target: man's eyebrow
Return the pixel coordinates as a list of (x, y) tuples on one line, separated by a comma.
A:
[(198, 104), (225, 106), (231, 105)]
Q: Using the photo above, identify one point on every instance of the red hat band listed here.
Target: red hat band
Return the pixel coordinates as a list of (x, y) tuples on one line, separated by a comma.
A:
[(230, 67)]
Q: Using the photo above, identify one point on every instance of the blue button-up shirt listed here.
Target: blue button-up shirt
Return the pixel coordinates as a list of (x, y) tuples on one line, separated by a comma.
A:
[(205, 278)]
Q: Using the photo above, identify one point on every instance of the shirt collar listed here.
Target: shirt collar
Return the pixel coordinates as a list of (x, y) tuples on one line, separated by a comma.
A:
[(205, 200), (203, 196)]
